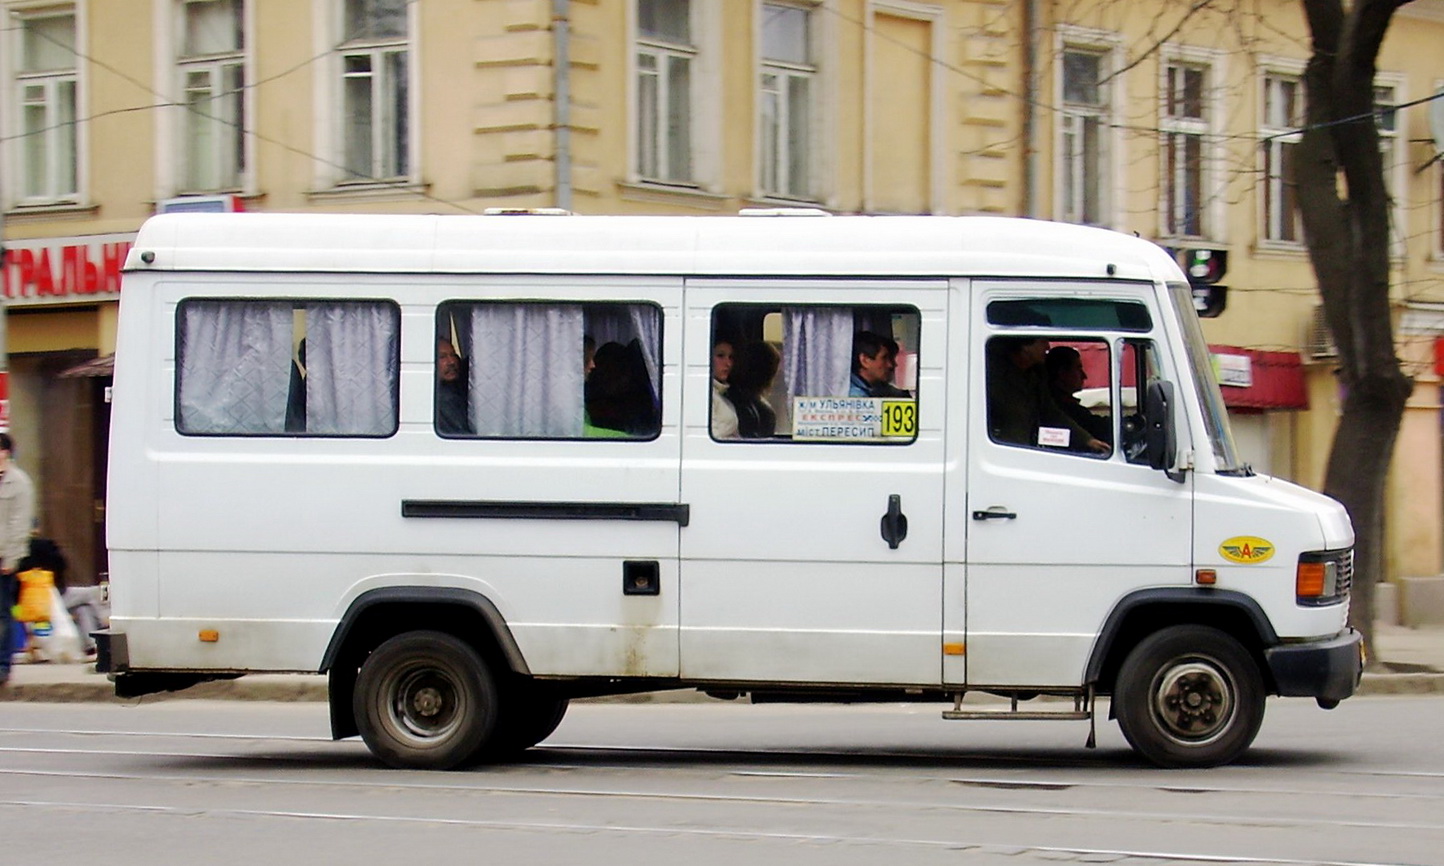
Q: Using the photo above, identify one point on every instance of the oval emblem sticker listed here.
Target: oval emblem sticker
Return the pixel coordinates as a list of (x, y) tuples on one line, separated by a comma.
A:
[(1246, 549)]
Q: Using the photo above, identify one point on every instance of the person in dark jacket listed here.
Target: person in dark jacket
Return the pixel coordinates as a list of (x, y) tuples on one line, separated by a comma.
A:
[(1066, 377), (754, 366)]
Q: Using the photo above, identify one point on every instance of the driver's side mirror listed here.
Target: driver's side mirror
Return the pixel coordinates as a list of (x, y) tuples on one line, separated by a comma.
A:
[(1158, 433)]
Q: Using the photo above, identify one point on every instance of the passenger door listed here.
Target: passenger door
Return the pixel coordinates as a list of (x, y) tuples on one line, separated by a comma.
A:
[(786, 575), (1056, 534)]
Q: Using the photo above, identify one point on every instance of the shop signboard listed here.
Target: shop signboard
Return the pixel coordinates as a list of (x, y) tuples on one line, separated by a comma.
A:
[(60, 271)]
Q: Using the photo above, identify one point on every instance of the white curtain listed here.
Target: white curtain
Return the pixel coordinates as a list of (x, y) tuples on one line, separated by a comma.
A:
[(817, 351), (351, 369), (235, 367), (622, 323), (526, 370)]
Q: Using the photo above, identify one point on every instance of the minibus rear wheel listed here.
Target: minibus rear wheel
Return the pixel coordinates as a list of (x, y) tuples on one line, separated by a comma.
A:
[(425, 700), (1189, 696)]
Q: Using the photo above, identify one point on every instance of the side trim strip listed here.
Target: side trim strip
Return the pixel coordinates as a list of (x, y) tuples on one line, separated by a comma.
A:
[(676, 512)]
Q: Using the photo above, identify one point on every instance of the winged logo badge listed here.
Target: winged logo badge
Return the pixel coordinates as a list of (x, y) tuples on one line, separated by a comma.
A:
[(1246, 549)]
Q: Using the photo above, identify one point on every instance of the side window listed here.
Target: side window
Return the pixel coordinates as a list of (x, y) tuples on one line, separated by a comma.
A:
[(535, 370), (1140, 368), (1051, 392), (287, 368), (840, 374)]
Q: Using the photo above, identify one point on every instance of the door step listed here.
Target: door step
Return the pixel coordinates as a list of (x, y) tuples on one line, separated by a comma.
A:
[(1082, 712)]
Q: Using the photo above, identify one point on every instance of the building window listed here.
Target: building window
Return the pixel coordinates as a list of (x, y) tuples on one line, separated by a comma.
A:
[(1386, 120), (1186, 119), (1084, 136), (375, 90), (1283, 112), (212, 76), (665, 59), (786, 95), (46, 80)]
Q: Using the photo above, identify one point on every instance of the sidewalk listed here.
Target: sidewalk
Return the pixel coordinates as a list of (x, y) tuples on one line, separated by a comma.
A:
[(1412, 658)]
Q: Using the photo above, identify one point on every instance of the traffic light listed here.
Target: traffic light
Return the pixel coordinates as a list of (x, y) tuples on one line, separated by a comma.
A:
[(1204, 269)]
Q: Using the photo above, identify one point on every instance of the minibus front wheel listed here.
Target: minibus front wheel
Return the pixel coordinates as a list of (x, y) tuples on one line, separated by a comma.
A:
[(1189, 696), (425, 700)]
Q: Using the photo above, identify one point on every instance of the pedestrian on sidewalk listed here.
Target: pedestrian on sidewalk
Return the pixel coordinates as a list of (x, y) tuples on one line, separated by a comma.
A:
[(17, 515)]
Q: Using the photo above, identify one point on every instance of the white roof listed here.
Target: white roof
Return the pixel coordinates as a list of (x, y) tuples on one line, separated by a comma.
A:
[(783, 246)]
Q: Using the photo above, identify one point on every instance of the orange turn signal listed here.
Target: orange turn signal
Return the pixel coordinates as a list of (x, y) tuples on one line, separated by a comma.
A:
[(1309, 582), (1205, 577), (209, 635)]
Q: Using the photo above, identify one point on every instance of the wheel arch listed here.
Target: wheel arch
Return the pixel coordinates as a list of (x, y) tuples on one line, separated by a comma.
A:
[(379, 614), (1143, 612)]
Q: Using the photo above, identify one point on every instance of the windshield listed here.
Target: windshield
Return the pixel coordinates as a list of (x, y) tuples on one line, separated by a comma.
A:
[(1200, 362)]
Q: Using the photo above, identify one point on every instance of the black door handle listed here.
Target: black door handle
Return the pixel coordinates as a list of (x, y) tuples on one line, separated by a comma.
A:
[(894, 523), (994, 513)]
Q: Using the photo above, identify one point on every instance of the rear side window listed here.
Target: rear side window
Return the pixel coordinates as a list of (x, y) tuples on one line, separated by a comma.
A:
[(547, 370), (287, 368)]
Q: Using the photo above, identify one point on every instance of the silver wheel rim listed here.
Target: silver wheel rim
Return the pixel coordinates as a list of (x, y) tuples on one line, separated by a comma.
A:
[(424, 704), (1193, 701)]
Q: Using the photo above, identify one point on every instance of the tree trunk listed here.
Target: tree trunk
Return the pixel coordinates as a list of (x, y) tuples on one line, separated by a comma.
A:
[(1346, 229)]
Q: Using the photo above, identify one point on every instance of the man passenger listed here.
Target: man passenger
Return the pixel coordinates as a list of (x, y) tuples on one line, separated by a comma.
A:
[(874, 360), (1020, 404), (452, 415)]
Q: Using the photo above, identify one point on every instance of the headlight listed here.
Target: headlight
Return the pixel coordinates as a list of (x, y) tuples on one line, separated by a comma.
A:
[(1324, 577)]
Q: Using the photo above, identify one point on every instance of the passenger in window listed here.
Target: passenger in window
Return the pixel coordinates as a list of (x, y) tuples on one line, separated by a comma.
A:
[(754, 366), (724, 417), (874, 360), (452, 415), (1021, 410), (619, 396), (589, 354), (1066, 377)]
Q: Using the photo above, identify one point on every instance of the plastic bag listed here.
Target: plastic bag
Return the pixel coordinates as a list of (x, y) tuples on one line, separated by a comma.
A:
[(57, 640)]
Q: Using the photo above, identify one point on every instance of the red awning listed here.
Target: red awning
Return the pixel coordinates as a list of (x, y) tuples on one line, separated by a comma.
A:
[(1277, 380)]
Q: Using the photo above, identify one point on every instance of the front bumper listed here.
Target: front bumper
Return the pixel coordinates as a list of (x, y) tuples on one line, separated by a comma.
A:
[(1327, 669)]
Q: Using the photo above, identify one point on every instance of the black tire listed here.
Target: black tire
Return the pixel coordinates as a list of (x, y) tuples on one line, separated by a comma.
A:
[(1189, 696), (528, 715), (425, 700)]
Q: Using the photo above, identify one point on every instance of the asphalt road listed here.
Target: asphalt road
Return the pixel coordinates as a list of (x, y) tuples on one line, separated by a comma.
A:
[(196, 782)]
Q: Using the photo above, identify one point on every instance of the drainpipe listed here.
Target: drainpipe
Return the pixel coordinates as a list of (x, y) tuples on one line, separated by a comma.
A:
[(562, 94), (1030, 108)]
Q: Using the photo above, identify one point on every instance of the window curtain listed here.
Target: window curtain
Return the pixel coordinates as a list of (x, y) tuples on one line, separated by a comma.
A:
[(235, 367), (351, 369), (624, 323), (816, 351), (526, 370)]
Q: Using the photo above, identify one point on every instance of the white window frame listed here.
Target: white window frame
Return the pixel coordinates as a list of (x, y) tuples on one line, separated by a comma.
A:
[(1108, 47), (332, 173), (1275, 134), (12, 122), (704, 22), (171, 70), (774, 154), (1394, 149), (1211, 225)]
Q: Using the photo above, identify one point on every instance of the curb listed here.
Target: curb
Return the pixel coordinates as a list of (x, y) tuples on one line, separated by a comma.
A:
[(298, 688)]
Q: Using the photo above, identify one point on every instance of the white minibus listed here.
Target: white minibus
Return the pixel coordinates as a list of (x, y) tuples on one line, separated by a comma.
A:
[(475, 467)]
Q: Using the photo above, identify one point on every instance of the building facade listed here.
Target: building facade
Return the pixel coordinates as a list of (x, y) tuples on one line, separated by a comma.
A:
[(1177, 125)]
